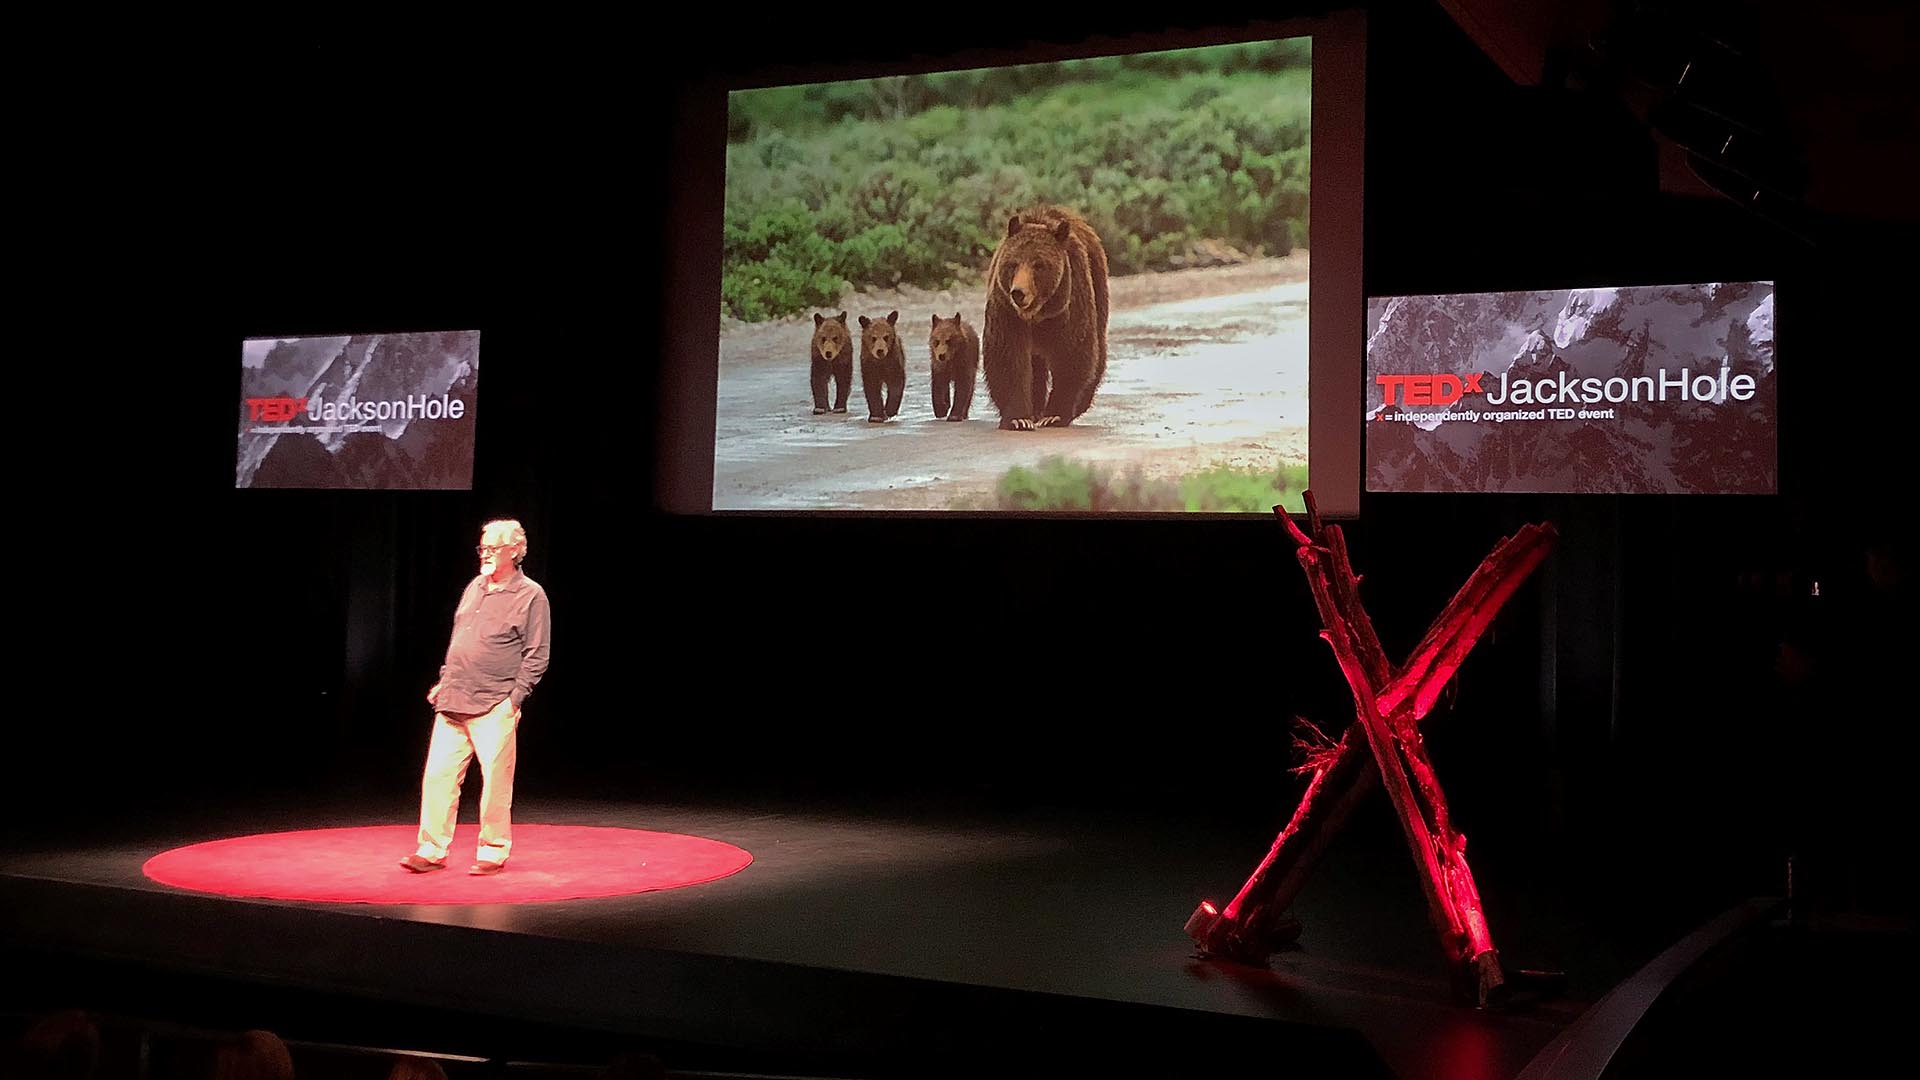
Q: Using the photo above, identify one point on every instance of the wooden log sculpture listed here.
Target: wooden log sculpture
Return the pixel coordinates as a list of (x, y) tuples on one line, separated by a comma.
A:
[(1389, 703)]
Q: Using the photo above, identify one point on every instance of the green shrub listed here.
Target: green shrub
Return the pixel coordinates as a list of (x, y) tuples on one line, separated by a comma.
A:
[(1058, 483), (911, 179)]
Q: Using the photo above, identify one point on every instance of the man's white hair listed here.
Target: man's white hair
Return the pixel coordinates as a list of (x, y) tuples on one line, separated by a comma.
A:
[(516, 534)]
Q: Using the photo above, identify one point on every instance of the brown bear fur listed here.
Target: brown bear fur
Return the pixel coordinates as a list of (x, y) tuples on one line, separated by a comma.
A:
[(883, 367), (1045, 351), (955, 352), (832, 361)]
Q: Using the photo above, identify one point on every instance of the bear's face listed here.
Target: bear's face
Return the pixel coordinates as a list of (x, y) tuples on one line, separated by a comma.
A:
[(1033, 263), (949, 337), (877, 337), (830, 336)]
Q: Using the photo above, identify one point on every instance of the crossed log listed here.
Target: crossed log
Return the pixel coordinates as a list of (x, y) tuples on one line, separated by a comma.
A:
[(1389, 703)]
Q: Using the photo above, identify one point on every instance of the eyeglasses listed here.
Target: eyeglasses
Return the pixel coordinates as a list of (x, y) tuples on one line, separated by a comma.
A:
[(489, 549)]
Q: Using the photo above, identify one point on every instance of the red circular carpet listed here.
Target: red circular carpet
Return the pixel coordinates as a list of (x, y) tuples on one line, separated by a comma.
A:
[(550, 862)]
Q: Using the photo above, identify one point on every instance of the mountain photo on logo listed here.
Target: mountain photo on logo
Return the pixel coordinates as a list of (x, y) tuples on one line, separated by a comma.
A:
[(372, 411), (1644, 389)]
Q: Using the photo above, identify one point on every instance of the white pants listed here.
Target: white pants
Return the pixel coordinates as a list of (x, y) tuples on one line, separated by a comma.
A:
[(492, 737)]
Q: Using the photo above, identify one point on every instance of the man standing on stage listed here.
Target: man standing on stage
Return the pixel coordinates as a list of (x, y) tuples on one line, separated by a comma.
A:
[(498, 653)]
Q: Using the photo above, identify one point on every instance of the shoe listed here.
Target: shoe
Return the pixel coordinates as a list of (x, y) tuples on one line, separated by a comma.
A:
[(420, 864), (483, 868)]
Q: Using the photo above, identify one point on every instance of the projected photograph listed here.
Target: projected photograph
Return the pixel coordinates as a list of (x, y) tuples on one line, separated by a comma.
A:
[(360, 411), (1648, 389), (1062, 287)]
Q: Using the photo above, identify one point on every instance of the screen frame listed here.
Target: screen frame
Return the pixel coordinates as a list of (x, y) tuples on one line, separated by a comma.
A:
[(689, 369), (473, 453), (1755, 275)]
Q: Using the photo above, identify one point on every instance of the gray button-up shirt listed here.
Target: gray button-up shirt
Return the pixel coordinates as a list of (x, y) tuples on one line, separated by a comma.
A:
[(499, 646)]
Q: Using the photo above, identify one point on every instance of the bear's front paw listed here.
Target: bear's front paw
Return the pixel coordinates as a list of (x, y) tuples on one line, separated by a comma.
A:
[(1016, 424), (839, 408), (1049, 421), (876, 418), (818, 409), (956, 416)]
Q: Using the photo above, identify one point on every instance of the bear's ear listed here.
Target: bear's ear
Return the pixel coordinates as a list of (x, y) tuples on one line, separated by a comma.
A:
[(863, 322), (841, 318), (956, 316), (936, 322), (1061, 230), (1013, 224), (818, 319), (892, 317)]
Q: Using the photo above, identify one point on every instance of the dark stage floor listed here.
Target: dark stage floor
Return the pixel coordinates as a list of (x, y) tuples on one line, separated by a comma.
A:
[(865, 940)]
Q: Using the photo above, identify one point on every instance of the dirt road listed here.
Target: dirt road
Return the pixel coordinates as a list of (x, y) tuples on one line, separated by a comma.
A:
[(1206, 367)]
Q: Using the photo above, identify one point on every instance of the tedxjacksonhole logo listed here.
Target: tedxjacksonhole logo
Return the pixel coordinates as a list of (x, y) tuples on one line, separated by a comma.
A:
[(348, 415), (1570, 396)]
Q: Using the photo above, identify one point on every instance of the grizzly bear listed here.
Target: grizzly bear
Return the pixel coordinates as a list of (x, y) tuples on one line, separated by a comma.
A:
[(955, 350), (883, 367), (1045, 340), (832, 359)]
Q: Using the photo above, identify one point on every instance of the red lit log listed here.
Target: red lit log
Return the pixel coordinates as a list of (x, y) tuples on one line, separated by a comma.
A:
[(1256, 922)]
